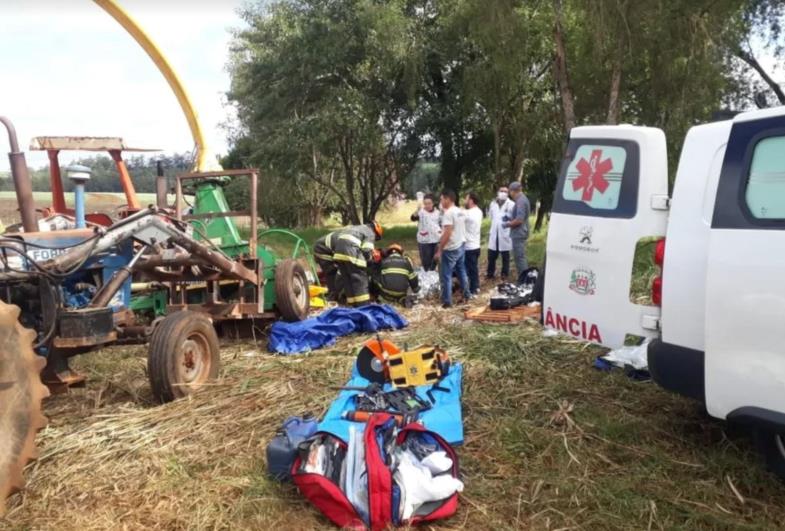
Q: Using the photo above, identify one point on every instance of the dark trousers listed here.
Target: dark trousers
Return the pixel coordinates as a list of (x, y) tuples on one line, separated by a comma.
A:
[(492, 256), (427, 250), (355, 283), (472, 261)]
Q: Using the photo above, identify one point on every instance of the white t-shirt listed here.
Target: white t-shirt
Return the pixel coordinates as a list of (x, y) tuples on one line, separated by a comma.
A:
[(454, 216), (473, 225), (428, 228)]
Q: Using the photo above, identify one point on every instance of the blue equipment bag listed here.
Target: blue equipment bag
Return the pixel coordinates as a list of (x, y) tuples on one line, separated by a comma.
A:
[(283, 448)]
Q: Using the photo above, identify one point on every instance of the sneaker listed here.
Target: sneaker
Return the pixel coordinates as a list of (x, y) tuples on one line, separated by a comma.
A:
[(445, 305)]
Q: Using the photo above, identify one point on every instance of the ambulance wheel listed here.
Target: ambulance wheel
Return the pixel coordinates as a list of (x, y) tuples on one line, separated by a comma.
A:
[(772, 445), (183, 355), (291, 290)]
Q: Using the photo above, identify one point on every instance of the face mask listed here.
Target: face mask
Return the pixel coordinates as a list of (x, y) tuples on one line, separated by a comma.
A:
[(502, 196)]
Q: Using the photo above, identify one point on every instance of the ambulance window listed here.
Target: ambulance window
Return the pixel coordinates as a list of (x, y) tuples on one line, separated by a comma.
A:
[(765, 193), (599, 177)]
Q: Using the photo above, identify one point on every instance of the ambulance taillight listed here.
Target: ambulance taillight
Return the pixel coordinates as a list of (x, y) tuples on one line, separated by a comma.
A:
[(659, 260)]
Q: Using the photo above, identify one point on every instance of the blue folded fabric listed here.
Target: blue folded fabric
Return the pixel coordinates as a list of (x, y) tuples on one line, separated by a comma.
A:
[(324, 330), (445, 416)]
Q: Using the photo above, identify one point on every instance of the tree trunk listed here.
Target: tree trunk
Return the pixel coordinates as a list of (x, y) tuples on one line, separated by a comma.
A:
[(450, 172), (614, 101), (520, 161), (751, 61), (561, 71), (540, 218), (497, 153)]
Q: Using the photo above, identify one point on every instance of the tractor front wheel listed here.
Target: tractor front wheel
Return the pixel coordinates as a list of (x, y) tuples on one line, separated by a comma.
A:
[(291, 290), (183, 355)]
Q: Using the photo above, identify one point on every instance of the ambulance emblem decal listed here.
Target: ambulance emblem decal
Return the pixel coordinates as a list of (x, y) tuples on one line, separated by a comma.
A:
[(583, 281), (592, 175), (586, 234)]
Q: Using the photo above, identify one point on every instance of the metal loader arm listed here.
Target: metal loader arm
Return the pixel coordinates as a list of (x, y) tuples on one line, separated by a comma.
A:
[(149, 227)]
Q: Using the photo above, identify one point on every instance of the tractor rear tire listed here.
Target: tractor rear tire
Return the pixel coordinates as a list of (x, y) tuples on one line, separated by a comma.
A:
[(291, 290), (21, 392), (183, 355)]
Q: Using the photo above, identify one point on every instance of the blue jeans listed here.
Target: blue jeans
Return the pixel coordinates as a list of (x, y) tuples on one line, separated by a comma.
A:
[(452, 261)]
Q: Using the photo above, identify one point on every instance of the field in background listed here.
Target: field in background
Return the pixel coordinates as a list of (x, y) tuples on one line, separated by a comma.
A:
[(96, 202)]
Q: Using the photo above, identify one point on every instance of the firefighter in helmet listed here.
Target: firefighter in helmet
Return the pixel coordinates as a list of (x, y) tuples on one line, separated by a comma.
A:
[(393, 276), (347, 251)]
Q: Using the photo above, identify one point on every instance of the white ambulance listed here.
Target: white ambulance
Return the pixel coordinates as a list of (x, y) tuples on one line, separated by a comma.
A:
[(718, 319)]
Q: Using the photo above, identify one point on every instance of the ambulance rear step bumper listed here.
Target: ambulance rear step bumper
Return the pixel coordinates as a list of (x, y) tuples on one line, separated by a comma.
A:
[(678, 369)]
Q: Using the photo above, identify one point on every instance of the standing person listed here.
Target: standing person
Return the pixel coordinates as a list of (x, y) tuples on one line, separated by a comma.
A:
[(499, 242), (519, 227), (348, 251), (429, 231), (451, 249), (473, 215)]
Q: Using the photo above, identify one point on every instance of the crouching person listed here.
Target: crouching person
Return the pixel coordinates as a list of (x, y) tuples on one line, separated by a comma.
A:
[(347, 251), (393, 276)]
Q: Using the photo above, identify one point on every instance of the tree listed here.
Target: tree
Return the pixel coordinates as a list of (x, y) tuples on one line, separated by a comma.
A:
[(323, 95)]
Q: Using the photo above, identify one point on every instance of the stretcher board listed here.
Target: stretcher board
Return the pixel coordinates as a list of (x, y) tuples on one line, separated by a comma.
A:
[(513, 315)]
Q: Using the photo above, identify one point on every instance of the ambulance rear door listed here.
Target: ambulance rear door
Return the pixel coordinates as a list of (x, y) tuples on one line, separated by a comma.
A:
[(611, 192)]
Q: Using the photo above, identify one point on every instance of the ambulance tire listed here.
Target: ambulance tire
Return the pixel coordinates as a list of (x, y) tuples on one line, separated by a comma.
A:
[(771, 445)]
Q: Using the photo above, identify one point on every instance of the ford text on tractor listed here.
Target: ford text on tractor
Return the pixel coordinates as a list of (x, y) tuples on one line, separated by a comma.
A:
[(716, 313)]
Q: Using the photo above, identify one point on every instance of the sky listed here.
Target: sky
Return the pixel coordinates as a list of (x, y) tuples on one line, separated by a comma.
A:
[(67, 68)]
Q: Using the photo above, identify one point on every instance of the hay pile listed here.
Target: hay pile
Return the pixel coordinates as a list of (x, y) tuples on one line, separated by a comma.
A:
[(194, 463), (550, 443)]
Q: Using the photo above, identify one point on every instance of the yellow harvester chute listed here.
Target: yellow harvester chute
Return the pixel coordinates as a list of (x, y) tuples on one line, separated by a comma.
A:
[(205, 160)]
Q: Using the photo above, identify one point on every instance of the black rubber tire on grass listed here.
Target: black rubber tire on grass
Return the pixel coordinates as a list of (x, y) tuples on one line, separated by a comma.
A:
[(772, 446), (291, 290), (183, 354)]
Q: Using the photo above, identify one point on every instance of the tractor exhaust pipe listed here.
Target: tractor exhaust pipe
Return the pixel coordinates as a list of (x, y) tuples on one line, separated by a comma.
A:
[(22, 183), (160, 185)]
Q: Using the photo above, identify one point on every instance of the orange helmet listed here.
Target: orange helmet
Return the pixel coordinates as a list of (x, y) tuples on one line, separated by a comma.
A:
[(377, 229), (394, 248)]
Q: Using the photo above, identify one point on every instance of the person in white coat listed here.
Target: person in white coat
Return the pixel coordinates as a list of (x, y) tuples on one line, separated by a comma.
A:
[(429, 230), (499, 241)]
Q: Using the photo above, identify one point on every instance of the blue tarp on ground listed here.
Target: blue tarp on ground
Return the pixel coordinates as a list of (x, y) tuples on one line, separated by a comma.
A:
[(322, 331), (444, 417)]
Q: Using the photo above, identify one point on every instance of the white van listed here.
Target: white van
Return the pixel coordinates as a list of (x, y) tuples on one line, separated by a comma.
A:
[(718, 321)]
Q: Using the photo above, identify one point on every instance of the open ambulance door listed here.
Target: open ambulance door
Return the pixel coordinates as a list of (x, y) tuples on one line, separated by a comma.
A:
[(611, 192)]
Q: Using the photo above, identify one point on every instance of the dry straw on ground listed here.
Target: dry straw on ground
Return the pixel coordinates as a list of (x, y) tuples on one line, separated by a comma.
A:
[(550, 443)]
